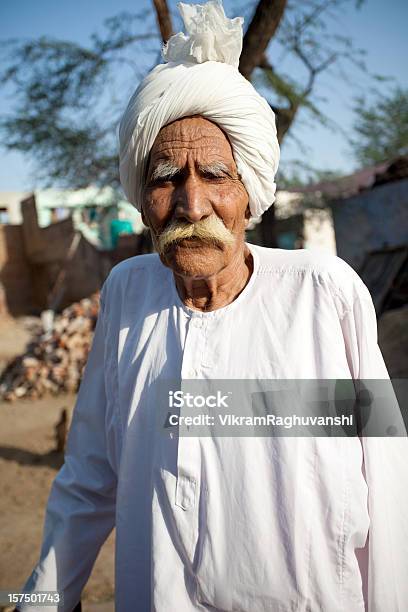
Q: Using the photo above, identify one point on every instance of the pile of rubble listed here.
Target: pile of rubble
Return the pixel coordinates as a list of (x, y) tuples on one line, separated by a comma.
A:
[(54, 361)]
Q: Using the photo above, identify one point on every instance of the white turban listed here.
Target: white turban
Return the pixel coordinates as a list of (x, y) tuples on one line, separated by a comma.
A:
[(201, 77)]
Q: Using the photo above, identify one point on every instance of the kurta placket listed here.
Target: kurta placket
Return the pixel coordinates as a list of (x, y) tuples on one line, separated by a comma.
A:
[(188, 455)]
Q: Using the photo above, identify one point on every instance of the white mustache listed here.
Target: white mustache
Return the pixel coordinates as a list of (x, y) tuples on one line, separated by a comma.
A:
[(211, 230)]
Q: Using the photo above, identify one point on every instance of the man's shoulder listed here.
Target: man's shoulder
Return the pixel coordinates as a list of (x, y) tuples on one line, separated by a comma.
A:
[(320, 265), (138, 262), (317, 260), (140, 270), (135, 264)]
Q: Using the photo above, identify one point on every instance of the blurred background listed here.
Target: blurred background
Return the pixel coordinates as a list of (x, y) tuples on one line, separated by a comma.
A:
[(334, 72)]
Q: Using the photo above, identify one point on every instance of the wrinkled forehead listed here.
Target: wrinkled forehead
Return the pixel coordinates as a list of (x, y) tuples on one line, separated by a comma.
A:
[(191, 134)]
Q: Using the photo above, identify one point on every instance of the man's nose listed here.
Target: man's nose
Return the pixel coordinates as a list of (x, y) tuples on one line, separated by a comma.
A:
[(191, 203)]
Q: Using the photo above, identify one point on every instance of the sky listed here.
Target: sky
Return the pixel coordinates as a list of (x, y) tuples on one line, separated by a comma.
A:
[(378, 27)]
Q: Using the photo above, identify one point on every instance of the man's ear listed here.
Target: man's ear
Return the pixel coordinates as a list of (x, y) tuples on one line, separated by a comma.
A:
[(143, 216), (247, 215), (145, 177)]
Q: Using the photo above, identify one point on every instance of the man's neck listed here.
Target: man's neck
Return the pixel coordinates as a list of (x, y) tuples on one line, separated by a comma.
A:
[(219, 290)]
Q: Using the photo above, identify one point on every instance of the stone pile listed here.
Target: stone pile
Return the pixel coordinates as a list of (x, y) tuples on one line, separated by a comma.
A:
[(54, 361)]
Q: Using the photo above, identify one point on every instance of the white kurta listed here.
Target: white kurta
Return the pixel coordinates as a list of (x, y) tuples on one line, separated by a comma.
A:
[(231, 524)]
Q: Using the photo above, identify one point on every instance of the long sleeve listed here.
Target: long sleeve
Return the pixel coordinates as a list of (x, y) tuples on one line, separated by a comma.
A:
[(80, 512), (384, 561)]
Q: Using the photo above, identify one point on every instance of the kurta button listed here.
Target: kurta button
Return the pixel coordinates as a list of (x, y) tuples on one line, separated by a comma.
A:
[(197, 323)]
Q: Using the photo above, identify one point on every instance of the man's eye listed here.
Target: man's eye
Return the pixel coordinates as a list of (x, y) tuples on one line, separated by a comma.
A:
[(159, 181), (213, 177)]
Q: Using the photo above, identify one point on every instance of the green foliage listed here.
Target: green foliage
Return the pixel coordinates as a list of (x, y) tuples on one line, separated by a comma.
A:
[(65, 109), (299, 174), (381, 127), (290, 93), (67, 98)]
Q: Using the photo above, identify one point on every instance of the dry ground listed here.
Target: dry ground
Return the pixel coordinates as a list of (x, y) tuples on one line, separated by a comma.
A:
[(28, 467)]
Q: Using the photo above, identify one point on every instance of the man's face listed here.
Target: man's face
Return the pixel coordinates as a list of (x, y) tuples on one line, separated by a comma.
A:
[(194, 202)]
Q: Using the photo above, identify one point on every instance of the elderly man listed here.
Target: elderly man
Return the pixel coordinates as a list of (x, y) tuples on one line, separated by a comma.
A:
[(221, 523)]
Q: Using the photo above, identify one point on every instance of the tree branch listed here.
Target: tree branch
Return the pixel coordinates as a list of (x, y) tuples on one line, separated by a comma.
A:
[(285, 115), (265, 22), (163, 19)]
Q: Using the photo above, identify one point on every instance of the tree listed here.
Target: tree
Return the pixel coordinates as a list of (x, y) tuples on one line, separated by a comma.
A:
[(65, 116), (381, 127)]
